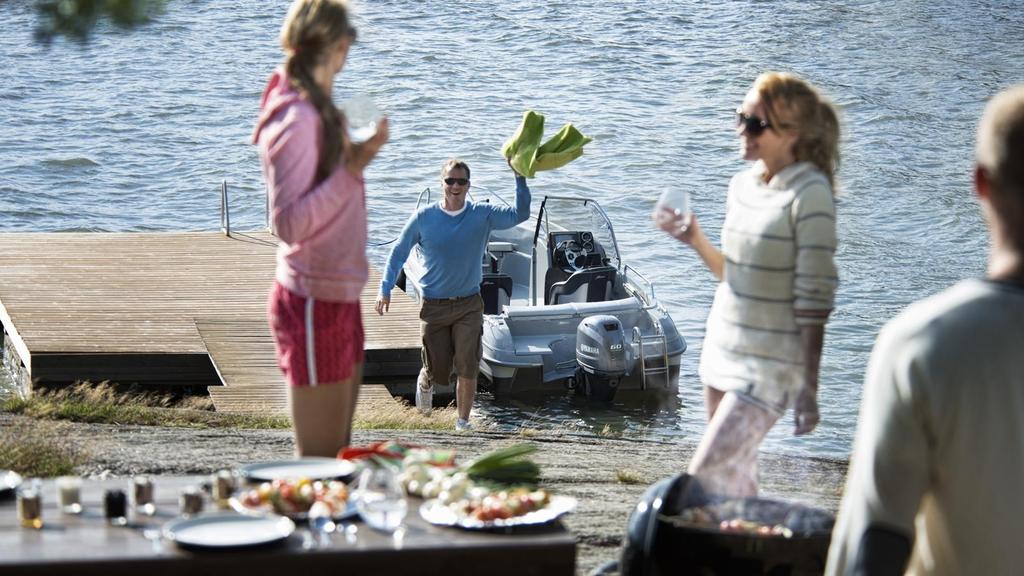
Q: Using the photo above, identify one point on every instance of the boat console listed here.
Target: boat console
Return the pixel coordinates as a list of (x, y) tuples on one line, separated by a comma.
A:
[(573, 251), (579, 270)]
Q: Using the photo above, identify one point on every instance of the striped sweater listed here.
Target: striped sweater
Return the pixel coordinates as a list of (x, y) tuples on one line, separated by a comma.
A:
[(778, 241)]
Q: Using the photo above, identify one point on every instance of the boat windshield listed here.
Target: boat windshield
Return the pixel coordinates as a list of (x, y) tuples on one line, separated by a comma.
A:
[(574, 214)]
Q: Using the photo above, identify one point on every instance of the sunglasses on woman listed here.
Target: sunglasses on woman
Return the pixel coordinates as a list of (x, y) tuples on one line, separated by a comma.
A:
[(754, 125), (454, 181)]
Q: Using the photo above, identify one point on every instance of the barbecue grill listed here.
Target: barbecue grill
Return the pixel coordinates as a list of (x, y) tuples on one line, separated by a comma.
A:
[(659, 541)]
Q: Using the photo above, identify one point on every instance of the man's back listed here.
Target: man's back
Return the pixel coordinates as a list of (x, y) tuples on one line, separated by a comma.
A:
[(942, 428)]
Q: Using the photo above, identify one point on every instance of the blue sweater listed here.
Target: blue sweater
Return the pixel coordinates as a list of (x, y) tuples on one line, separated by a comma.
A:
[(453, 246)]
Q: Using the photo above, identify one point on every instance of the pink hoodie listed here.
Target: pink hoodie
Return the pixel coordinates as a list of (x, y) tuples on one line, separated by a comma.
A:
[(322, 225)]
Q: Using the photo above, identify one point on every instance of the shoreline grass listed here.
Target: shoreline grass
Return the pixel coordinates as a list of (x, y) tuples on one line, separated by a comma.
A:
[(39, 449), (629, 476), (104, 404), (400, 415)]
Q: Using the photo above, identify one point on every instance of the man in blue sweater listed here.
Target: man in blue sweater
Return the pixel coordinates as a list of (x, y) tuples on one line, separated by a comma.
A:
[(452, 236)]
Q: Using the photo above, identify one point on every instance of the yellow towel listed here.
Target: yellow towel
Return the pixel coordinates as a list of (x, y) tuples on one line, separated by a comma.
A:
[(528, 156)]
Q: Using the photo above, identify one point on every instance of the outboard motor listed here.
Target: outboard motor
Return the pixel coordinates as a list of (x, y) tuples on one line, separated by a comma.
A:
[(601, 354)]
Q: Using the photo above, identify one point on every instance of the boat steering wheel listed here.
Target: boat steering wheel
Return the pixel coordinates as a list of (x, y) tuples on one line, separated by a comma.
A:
[(575, 255)]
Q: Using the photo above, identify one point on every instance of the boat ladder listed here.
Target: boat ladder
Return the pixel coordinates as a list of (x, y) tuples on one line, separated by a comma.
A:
[(656, 339)]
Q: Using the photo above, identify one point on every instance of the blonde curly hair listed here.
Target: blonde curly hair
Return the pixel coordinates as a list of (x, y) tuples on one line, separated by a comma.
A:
[(791, 103)]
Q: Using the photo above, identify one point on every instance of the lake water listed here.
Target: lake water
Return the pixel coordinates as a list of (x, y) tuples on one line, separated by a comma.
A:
[(135, 132)]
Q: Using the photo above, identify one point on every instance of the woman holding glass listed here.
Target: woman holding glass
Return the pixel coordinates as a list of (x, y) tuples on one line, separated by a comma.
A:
[(314, 176), (766, 326)]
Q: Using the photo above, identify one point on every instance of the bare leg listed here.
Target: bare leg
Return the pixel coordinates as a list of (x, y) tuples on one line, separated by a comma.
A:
[(322, 415), (712, 397), (350, 409), (465, 394), (726, 459)]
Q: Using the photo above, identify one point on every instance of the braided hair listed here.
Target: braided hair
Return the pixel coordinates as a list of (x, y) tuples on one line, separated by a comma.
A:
[(311, 29)]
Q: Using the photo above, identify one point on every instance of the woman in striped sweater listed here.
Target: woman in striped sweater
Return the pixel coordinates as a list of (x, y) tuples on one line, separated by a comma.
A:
[(778, 277)]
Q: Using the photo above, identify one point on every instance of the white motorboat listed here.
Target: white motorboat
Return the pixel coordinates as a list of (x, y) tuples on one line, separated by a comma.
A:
[(563, 312)]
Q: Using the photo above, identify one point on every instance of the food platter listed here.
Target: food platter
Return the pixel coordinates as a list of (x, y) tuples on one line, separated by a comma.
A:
[(296, 499), (9, 482), (228, 530), (440, 514), (312, 468), (349, 511)]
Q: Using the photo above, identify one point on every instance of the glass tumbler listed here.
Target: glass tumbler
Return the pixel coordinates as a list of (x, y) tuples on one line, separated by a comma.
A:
[(361, 116), (380, 499), (675, 201)]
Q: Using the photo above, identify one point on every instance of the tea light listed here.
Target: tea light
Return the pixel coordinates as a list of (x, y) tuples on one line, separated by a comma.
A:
[(190, 501), (142, 494), (30, 507), (69, 494), (115, 507)]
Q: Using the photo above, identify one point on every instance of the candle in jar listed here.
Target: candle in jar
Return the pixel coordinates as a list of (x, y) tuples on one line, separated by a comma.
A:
[(69, 494), (223, 486), (191, 501), (30, 507), (142, 493), (115, 507)]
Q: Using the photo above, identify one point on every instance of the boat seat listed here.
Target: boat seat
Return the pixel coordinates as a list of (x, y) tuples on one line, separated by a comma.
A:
[(551, 277), (587, 285), (496, 291)]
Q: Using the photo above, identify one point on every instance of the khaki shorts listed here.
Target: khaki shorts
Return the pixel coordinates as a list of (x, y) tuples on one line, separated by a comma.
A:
[(451, 331)]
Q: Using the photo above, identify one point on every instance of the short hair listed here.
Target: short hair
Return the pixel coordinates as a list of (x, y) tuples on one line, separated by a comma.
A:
[(454, 163), (1000, 147)]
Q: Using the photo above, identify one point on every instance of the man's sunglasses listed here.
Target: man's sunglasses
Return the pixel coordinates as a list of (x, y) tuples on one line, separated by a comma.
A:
[(454, 181), (753, 125)]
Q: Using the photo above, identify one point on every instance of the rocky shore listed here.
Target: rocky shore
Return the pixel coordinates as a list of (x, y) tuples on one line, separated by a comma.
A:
[(588, 467)]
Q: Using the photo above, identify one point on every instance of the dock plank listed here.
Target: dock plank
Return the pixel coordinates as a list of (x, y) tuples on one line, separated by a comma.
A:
[(125, 307), (242, 352)]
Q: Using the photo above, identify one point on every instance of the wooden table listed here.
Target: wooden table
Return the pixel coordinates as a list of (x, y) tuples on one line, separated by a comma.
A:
[(87, 544)]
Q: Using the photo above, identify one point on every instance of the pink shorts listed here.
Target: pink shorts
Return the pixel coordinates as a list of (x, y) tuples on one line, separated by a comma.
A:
[(317, 342)]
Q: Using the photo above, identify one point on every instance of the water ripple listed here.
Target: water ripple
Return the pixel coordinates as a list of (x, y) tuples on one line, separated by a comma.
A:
[(136, 132)]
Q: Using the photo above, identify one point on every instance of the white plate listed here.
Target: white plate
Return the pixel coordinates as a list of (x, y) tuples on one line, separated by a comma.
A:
[(9, 481), (228, 530), (435, 512), (236, 505), (312, 468)]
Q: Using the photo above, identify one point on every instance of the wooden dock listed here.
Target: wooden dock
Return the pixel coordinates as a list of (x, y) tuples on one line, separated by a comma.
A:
[(166, 309)]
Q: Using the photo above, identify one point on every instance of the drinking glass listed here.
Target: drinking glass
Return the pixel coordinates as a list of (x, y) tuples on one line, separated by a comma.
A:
[(362, 116), (677, 203), (321, 523), (380, 499)]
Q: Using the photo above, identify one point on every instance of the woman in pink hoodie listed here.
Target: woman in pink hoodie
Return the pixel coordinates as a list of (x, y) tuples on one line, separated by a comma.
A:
[(314, 177)]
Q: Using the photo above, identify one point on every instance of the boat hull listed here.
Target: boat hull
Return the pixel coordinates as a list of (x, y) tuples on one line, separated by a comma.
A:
[(532, 350)]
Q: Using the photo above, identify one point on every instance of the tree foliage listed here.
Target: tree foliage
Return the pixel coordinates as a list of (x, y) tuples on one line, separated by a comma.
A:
[(76, 19)]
